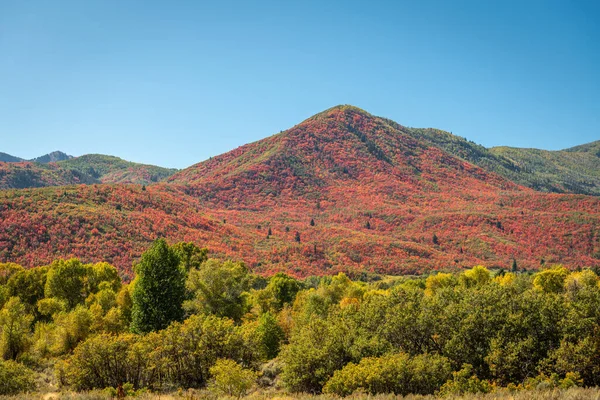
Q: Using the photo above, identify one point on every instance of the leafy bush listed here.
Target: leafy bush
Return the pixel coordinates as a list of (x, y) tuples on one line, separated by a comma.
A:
[(15, 378), (394, 373), (231, 379)]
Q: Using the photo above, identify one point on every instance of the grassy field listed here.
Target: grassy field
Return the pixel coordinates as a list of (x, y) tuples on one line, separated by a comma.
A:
[(556, 394)]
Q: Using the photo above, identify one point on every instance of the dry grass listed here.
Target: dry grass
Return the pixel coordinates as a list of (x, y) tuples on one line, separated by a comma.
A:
[(557, 394)]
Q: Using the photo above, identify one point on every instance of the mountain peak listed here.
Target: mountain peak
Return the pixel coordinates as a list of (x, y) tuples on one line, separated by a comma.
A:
[(55, 156), (341, 109)]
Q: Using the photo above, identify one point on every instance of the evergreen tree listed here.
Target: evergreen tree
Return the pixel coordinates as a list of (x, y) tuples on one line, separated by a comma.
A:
[(159, 289), (514, 266), (297, 238), (312, 222)]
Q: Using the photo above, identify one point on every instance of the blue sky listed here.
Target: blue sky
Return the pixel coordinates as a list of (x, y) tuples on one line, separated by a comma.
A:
[(175, 82)]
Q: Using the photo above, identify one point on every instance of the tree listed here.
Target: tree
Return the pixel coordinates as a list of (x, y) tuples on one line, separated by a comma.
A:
[(15, 378), (514, 267), (159, 289), (312, 222), (231, 379), (269, 334), (66, 281), (281, 290), (297, 237), (394, 373), (190, 255), (15, 326), (220, 288)]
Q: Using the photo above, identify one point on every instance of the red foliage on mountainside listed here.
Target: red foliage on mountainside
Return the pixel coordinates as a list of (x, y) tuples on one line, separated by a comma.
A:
[(341, 191)]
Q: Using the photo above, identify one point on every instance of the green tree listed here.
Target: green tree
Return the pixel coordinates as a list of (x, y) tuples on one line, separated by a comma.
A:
[(15, 378), (190, 255), (219, 288), (66, 281), (391, 373), (159, 289), (269, 335), (231, 379), (281, 290), (29, 285), (15, 325)]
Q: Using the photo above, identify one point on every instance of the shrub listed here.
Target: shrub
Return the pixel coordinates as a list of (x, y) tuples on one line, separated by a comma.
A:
[(394, 373), (464, 381), (231, 379), (15, 378)]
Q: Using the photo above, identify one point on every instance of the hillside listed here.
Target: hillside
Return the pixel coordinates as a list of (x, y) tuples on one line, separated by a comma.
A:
[(566, 171), (575, 170), (26, 174), (341, 191), (87, 169), (8, 158), (52, 157), (110, 169)]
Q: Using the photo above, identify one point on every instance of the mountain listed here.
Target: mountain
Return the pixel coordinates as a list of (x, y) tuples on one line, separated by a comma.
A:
[(26, 174), (575, 170), (52, 157), (87, 169), (566, 171), (110, 169), (8, 158), (593, 148), (341, 191)]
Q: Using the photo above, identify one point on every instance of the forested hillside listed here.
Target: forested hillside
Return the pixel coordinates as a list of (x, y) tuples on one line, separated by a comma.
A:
[(575, 170), (341, 191), (58, 170)]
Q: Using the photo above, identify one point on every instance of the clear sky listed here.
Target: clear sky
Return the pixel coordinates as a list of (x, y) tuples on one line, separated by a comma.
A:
[(174, 82)]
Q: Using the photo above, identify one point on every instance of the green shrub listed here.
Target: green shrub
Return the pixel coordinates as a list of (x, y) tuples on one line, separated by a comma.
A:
[(395, 373), (15, 378), (464, 381), (231, 379)]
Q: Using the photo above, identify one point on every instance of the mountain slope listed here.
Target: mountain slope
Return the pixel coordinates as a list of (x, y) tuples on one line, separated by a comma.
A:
[(52, 157), (341, 191), (110, 169), (26, 174), (575, 170), (567, 171), (87, 169), (8, 158)]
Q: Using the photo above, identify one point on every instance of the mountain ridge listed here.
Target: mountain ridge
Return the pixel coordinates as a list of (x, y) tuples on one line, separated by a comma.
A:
[(341, 191)]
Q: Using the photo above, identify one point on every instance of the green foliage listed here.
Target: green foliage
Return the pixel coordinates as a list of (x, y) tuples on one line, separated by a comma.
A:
[(269, 335), (393, 373), (220, 288), (29, 286), (186, 351), (15, 325), (100, 273), (231, 379), (190, 255), (15, 378), (71, 328), (107, 361), (159, 289), (66, 281), (464, 381), (281, 290), (551, 280)]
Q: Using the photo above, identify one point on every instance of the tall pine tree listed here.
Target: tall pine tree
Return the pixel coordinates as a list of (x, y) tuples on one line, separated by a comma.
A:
[(159, 289)]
